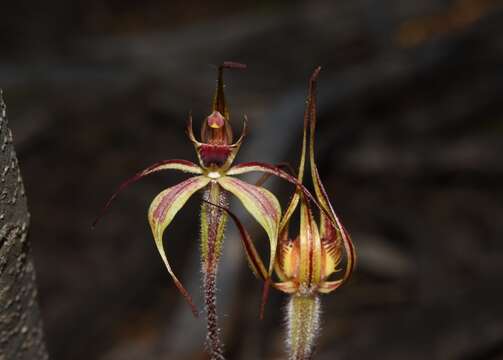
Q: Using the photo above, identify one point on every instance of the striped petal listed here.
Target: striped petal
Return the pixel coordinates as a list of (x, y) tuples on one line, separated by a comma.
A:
[(262, 205), (162, 211), (286, 259), (255, 166), (309, 247), (176, 164), (252, 255), (328, 216)]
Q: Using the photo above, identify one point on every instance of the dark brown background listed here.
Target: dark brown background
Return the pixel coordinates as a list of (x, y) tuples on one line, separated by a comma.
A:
[(409, 144)]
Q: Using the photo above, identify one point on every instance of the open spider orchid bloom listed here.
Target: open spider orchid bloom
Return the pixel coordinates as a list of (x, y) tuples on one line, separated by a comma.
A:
[(306, 264), (216, 153)]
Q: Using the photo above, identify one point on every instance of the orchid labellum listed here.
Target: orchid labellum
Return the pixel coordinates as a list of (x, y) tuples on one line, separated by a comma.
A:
[(214, 176), (306, 263)]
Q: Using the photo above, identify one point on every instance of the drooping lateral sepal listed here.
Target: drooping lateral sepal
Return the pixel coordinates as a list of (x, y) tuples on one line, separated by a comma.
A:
[(252, 255), (163, 209), (262, 205)]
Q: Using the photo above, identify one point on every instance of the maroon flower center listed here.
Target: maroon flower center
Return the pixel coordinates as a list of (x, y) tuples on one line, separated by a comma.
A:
[(214, 155)]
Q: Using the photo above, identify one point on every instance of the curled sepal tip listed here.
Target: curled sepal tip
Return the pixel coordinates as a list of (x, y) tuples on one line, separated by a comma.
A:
[(175, 164), (162, 211)]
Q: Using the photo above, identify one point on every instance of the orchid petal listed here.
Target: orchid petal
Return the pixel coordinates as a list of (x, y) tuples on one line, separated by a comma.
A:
[(285, 254), (176, 164), (332, 217), (328, 221), (283, 165), (289, 257), (329, 286), (256, 166), (262, 205), (300, 177), (331, 257), (309, 247), (162, 211), (289, 287), (319, 189), (252, 255)]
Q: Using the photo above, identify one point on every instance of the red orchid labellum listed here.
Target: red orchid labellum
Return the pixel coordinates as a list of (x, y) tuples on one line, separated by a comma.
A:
[(306, 263), (213, 176)]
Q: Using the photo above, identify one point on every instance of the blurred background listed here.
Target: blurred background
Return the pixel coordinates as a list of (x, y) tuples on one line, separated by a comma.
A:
[(409, 145)]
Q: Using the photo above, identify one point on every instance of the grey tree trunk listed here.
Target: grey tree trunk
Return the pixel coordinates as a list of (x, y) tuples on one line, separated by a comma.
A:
[(21, 336)]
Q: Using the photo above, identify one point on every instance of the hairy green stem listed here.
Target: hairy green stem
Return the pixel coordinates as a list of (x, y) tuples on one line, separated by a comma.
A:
[(213, 220), (303, 325)]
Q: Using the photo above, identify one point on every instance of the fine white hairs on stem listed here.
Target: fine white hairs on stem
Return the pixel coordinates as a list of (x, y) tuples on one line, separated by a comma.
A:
[(213, 220), (303, 325)]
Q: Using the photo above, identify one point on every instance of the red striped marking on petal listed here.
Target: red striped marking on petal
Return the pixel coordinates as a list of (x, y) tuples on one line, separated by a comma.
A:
[(262, 205), (172, 195), (265, 203)]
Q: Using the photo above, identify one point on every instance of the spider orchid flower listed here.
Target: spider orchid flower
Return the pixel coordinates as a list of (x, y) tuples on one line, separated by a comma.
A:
[(306, 264), (214, 177)]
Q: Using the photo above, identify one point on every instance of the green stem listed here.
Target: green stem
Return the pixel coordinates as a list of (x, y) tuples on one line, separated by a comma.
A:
[(213, 221), (303, 321)]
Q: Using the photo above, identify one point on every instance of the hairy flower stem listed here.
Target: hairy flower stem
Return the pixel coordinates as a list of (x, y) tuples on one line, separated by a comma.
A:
[(214, 344), (303, 322), (213, 221)]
